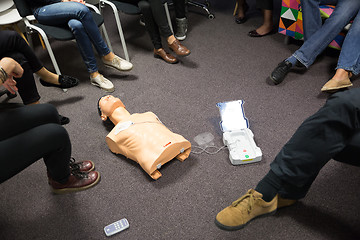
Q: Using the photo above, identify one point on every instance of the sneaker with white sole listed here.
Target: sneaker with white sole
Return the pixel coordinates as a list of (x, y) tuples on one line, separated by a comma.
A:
[(181, 28), (101, 82), (119, 64)]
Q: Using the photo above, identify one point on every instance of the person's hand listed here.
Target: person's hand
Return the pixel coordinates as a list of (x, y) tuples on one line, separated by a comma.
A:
[(10, 85), (79, 1), (12, 69)]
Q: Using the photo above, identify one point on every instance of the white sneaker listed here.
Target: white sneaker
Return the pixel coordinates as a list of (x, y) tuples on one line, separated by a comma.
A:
[(101, 82), (119, 64)]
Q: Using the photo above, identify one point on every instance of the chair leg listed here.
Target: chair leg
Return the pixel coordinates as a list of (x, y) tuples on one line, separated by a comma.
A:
[(168, 16), (106, 37), (203, 6), (118, 23)]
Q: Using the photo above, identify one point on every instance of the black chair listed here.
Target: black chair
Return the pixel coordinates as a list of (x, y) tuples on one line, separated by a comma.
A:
[(127, 8), (205, 6), (58, 33)]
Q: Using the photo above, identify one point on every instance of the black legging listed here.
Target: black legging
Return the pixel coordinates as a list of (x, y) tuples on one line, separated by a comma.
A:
[(29, 133), (14, 46)]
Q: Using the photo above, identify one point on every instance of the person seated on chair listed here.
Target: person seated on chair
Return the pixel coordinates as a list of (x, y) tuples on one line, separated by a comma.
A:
[(14, 46), (181, 19), (78, 18), (267, 8), (331, 133), (19, 148), (141, 137), (318, 36), (157, 25)]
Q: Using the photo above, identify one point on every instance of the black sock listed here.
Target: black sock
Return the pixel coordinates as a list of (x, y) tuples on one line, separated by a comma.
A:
[(269, 186)]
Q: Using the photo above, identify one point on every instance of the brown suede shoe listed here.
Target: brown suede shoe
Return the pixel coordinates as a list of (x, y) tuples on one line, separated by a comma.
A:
[(167, 57), (242, 211), (179, 49), (284, 202), (333, 85), (84, 166), (77, 181)]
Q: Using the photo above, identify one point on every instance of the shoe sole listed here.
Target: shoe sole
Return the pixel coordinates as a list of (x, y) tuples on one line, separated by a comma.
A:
[(334, 89), (275, 81), (69, 190), (180, 55), (180, 38), (234, 228), (110, 66), (159, 57), (106, 90)]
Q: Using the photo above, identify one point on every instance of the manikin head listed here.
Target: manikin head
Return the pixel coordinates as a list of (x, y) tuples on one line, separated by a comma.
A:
[(107, 105)]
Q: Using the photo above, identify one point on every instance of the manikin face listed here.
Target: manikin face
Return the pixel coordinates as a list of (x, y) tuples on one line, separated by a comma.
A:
[(108, 104)]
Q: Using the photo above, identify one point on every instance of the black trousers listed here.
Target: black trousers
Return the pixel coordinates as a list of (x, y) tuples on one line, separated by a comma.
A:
[(331, 133), (14, 46), (29, 133), (155, 19), (179, 8)]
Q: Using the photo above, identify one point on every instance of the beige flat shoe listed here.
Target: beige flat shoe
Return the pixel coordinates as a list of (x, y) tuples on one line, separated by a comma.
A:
[(333, 85)]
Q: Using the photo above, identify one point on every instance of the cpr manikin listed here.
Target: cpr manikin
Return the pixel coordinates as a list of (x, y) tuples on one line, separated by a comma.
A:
[(142, 137)]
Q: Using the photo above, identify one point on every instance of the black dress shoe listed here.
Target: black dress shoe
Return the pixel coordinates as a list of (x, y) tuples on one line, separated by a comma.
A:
[(279, 73), (64, 82), (63, 120), (241, 20)]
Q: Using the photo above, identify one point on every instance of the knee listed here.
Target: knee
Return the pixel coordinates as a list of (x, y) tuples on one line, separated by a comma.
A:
[(49, 113), (343, 100), (57, 132), (18, 57), (10, 35), (75, 26), (144, 6)]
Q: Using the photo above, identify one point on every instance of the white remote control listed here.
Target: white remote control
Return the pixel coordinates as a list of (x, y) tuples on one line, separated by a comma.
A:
[(116, 227)]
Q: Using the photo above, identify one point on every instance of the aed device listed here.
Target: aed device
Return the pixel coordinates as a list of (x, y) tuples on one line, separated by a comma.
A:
[(236, 133)]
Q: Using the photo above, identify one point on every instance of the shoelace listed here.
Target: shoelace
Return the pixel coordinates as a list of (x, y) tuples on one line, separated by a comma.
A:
[(80, 175), (250, 203), (74, 167), (116, 61)]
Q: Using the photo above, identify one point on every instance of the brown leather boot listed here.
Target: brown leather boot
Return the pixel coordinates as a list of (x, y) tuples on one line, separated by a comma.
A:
[(179, 49), (84, 166), (77, 181), (167, 57)]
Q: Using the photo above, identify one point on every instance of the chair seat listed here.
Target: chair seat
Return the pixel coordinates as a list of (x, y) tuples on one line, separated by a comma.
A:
[(9, 16), (127, 8), (65, 34)]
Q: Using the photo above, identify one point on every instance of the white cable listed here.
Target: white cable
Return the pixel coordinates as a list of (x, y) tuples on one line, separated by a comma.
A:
[(204, 149)]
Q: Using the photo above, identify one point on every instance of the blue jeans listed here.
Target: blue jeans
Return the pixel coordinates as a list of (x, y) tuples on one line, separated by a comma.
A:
[(319, 36), (349, 58), (79, 19)]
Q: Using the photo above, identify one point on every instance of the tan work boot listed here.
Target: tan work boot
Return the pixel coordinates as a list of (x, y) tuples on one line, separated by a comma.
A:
[(242, 211)]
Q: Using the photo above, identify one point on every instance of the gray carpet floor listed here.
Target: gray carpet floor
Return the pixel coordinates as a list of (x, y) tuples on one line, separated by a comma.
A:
[(225, 65)]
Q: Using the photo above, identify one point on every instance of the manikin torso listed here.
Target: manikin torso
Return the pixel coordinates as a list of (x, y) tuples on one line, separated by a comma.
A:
[(144, 139)]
